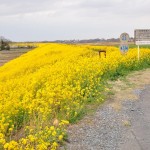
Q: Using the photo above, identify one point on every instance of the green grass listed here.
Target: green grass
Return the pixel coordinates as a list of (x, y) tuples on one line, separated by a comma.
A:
[(124, 70), (135, 46)]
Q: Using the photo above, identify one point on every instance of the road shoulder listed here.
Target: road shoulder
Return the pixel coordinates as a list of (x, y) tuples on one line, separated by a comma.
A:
[(118, 124)]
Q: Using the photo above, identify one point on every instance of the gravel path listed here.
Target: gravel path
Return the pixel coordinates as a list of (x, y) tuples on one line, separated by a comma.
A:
[(109, 129), (138, 136)]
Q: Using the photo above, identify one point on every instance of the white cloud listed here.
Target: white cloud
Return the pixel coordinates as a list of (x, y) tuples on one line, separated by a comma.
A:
[(69, 19)]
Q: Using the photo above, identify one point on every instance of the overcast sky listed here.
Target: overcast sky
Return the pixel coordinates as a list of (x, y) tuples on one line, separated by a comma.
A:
[(31, 20)]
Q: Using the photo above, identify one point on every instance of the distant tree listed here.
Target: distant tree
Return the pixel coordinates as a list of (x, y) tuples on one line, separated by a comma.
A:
[(4, 43)]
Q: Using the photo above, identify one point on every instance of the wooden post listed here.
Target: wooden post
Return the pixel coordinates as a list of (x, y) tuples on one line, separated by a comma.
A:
[(102, 51), (138, 52)]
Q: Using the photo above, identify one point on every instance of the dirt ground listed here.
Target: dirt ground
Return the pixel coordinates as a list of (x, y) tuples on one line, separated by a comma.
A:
[(123, 89), (6, 55)]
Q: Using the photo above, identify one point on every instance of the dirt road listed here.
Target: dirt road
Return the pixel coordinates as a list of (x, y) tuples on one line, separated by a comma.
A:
[(6, 56), (122, 123)]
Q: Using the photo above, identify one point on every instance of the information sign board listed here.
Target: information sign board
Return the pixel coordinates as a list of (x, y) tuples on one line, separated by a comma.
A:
[(142, 36)]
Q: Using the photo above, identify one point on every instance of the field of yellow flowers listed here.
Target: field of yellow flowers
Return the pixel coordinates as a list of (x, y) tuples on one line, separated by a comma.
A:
[(45, 89), (25, 45)]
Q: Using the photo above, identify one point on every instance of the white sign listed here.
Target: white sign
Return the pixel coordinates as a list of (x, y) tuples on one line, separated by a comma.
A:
[(142, 36), (142, 42), (124, 37)]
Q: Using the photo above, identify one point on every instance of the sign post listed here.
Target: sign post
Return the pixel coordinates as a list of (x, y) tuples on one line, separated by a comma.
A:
[(142, 37), (138, 52), (124, 39)]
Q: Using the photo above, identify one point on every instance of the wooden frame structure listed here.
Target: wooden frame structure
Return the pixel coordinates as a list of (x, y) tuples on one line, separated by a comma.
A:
[(102, 51)]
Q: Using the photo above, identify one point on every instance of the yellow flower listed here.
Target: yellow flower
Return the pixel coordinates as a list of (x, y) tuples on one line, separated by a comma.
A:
[(24, 141), (65, 122), (54, 133), (52, 128), (10, 129), (55, 144), (60, 137), (6, 145), (31, 138), (2, 141)]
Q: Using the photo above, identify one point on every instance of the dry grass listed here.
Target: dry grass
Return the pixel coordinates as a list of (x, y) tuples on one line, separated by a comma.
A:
[(123, 89)]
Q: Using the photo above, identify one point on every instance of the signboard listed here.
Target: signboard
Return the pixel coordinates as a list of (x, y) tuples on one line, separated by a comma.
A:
[(124, 48), (142, 36), (124, 39)]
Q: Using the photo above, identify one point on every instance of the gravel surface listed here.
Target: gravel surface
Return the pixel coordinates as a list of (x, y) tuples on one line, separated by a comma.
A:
[(109, 129), (138, 135)]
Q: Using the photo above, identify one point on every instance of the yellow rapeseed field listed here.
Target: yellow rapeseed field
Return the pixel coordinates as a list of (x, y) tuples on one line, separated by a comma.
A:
[(28, 44), (43, 90)]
